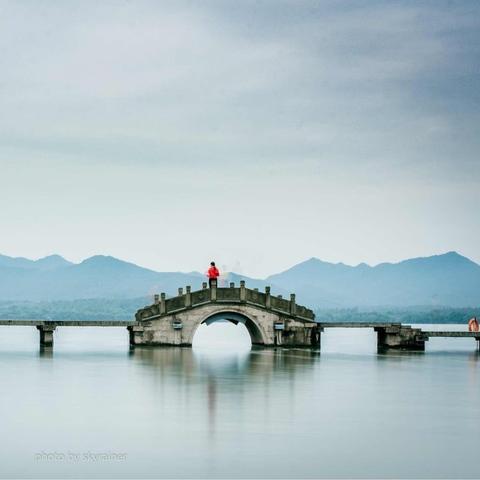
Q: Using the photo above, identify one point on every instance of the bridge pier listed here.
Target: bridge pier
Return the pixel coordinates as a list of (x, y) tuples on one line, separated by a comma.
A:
[(291, 334), (135, 335), (316, 338), (46, 335), (401, 338)]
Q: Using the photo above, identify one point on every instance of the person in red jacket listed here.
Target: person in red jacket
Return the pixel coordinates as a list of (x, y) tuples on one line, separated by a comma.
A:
[(212, 273)]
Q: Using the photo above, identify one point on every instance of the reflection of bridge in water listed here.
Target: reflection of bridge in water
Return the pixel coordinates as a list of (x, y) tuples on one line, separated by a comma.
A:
[(271, 321), (222, 381)]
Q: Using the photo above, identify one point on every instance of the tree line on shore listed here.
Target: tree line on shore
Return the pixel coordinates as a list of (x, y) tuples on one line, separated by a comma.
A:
[(124, 309)]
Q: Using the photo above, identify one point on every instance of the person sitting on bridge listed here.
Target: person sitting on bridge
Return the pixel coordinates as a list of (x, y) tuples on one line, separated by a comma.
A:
[(473, 325), (212, 274)]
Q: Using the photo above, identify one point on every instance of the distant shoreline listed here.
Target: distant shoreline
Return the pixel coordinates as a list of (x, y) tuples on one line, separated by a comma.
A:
[(125, 309)]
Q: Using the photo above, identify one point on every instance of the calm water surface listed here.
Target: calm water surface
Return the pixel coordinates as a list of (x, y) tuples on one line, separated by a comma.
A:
[(92, 408)]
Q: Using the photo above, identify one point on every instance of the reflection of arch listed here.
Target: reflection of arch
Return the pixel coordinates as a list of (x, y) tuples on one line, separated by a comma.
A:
[(257, 335)]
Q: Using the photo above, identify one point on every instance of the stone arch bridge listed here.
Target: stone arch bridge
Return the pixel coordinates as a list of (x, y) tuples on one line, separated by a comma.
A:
[(270, 320)]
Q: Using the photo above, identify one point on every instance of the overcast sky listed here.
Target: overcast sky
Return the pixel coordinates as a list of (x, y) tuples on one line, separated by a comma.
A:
[(255, 133)]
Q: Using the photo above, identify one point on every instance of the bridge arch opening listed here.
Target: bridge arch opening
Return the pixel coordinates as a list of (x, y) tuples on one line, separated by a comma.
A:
[(228, 327)]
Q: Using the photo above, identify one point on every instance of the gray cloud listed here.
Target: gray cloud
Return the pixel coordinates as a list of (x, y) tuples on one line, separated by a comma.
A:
[(340, 119)]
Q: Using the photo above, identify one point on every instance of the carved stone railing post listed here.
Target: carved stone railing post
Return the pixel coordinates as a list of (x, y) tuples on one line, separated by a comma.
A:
[(213, 291), (243, 293), (156, 299), (204, 285), (268, 298), (232, 284), (188, 296), (293, 309), (163, 308), (180, 291)]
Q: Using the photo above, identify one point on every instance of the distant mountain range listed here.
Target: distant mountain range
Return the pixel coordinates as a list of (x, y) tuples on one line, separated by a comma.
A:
[(54, 278), (441, 280)]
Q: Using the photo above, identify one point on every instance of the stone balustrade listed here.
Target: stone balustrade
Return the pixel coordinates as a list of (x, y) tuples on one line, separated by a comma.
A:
[(163, 306)]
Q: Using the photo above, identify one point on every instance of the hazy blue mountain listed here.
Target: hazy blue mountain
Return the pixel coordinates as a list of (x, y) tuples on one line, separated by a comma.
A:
[(441, 280), (449, 279), (95, 277), (51, 262), (46, 263)]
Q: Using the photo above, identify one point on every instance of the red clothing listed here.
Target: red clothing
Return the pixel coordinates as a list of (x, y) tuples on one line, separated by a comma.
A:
[(213, 272)]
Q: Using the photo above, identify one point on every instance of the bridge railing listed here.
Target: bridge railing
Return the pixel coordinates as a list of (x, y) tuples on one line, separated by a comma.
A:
[(230, 293), (200, 296), (279, 303), (188, 299)]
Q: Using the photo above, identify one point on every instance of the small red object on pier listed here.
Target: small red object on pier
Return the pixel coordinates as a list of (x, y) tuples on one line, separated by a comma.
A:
[(473, 325)]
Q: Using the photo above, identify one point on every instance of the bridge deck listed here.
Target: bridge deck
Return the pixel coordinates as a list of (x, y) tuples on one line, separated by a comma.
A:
[(425, 333), (451, 334), (70, 323), (358, 324), (127, 323)]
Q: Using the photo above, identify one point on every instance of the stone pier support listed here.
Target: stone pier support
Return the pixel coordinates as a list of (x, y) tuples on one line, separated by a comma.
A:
[(289, 333), (316, 337), (135, 334), (401, 338), (46, 335)]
